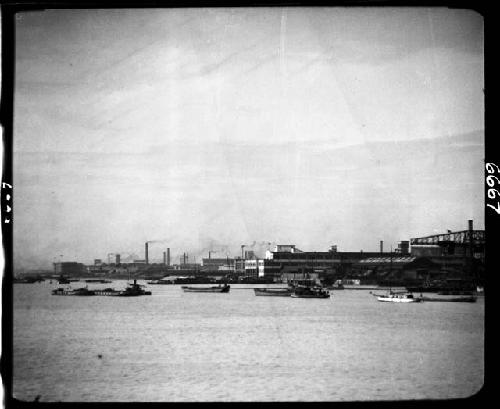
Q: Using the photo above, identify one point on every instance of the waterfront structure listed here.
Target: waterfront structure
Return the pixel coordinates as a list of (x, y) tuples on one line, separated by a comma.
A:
[(214, 264), (296, 261), (69, 268), (397, 267), (458, 253), (403, 248), (239, 266), (254, 268), (465, 243)]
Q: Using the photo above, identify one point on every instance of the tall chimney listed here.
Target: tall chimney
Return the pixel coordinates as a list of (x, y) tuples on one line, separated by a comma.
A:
[(242, 254), (117, 259), (381, 246), (168, 256), (164, 257), (146, 253)]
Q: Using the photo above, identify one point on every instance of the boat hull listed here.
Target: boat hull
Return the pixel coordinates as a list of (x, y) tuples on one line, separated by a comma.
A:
[(399, 300), (272, 292), (455, 299), (73, 292), (310, 296), (205, 290)]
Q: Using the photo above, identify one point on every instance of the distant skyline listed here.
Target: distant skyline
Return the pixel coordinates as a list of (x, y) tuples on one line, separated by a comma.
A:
[(207, 129)]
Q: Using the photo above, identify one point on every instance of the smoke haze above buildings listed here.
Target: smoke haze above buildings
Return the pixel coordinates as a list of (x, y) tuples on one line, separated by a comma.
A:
[(202, 130)]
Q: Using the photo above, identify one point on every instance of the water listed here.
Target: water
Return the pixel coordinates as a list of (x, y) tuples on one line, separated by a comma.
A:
[(176, 346)]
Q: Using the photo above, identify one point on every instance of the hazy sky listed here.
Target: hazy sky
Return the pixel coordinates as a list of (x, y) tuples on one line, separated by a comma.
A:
[(212, 128)]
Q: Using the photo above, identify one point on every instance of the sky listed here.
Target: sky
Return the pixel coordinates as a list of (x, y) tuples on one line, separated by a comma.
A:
[(206, 129)]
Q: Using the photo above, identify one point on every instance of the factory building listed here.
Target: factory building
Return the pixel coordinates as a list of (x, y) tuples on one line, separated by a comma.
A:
[(368, 266), (466, 243), (395, 268), (212, 265), (295, 261), (254, 268), (239, 266), (69, 268), (460, 252)]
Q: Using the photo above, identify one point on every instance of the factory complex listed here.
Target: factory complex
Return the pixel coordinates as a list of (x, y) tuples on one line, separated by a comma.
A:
[(458, 256)]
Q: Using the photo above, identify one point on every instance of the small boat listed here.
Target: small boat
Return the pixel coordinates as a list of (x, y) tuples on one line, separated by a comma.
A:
[(273, 292), (304, 291), (63, 280), (215, 289), (76, 291), (404, 297)]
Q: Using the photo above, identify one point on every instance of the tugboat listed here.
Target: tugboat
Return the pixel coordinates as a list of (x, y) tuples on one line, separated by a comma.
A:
[(215, 289), (133, 290)]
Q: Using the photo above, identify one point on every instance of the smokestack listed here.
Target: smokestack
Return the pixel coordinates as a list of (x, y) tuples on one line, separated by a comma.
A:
[(146, 253), (164, 257), (381, 246), (184, 258), (117, 259), (168, 256), (209, 255), (242, 255)]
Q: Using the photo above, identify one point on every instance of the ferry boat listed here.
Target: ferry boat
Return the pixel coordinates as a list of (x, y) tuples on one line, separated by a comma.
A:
[(403, 297), (273, 292), (215, 289)]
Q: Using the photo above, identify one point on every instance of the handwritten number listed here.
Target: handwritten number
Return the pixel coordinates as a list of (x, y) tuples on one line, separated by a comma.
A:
[(496, 209), (491, 193), (489, 167), (490, 182)]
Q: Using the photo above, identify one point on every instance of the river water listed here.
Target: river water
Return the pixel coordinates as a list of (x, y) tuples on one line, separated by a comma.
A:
[(187, 347)]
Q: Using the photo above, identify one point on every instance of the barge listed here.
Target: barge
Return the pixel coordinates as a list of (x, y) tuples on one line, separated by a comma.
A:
[(215, 289), (273, 292)]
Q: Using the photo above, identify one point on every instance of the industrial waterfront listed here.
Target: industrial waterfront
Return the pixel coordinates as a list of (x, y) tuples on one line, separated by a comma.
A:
[(176, 346), (448, 261)]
